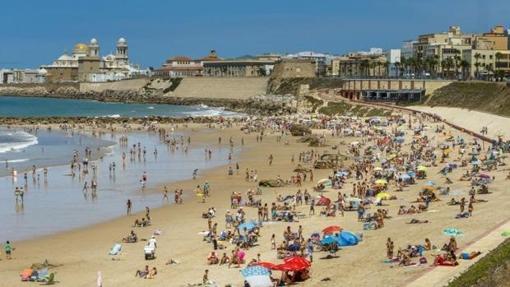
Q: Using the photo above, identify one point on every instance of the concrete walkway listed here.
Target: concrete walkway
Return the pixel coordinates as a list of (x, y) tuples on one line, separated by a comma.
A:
[(472, 120), (442, 275)]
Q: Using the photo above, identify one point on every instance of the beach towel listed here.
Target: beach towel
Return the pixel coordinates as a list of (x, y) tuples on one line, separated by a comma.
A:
[(452, 232), (117, 247), (26, 274)]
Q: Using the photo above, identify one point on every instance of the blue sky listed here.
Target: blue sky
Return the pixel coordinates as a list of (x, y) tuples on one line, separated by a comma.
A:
[(35, 32)]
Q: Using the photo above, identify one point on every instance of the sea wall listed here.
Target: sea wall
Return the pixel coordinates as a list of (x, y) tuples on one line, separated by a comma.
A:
[(125, 85)]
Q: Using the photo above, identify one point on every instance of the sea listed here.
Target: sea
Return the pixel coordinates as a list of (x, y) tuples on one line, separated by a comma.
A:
[(57, 107), (57, 202)]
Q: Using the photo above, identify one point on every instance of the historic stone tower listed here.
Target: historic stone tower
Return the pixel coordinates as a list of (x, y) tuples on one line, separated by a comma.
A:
[(93, 48), (122, 51)]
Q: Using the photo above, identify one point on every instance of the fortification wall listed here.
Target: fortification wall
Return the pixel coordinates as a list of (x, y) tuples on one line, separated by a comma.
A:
[(221, 88), (131, 85)]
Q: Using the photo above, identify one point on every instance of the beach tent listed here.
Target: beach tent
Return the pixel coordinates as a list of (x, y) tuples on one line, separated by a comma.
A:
[(347, 238), (257, 276), (323, 201), (344, 238)]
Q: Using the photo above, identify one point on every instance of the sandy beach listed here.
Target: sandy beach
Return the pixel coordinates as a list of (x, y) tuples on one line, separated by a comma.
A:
[(80, 254)]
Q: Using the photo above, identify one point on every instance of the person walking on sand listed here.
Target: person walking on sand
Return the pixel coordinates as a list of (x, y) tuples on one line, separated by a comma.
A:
[(165, 194), (128, 207), (205, 278), (389, 248)]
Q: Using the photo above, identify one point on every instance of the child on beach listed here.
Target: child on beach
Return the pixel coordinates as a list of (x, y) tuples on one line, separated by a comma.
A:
[(8, 250)]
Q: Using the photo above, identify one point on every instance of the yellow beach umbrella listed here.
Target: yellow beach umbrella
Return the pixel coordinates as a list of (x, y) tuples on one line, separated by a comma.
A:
[(381, 182), (422, 168), (382, 195)]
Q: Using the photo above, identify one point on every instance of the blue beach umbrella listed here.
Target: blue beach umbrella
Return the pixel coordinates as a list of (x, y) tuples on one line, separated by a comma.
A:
[(249, 225)]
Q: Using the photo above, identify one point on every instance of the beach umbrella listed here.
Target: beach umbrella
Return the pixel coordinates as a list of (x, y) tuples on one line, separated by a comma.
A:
[(382, 195), (323, 201), (452, 232), (332, 229), (267, 265), (421, 168), (355, 143), (325, 182), (348, 238), (484, 175), (250, 225), (381, 182), (405, 176), (378, 169), (342, 173), (430, 183), (296, 263), (411, 173), (257, 276)]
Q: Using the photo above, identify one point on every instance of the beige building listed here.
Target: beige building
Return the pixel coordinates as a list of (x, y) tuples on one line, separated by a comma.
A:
[(214, 66), (487, 63), (359, 66), (496, 39)]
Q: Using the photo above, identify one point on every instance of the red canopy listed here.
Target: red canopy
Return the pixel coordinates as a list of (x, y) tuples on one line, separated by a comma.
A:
[(332, 229), (323, 201), (296, 263)]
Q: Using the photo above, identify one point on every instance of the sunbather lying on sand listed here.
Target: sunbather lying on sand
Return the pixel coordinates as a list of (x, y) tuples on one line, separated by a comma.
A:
[(417, 221)]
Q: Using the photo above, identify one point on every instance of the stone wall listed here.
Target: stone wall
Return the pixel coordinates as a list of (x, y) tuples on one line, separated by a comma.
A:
[(125, 85), (221, 88)]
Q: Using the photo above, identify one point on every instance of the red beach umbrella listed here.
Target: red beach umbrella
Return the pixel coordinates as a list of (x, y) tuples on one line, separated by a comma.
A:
[(332, 229)]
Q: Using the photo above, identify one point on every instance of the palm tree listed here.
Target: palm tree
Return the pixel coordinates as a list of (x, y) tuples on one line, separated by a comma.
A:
[(498, 57), (457, 61), (464, 67), (490, 70), (477, 64), (397, 68)]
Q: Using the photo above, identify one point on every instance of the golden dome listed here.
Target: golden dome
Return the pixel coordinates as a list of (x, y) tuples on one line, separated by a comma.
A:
[(81, 48)]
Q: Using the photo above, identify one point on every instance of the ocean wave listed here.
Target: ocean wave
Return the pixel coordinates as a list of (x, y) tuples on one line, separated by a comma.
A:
[(205, 111), (17, 160), (16, 140)]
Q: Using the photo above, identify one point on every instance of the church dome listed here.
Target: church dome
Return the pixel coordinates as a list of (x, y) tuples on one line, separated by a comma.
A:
[(121, 41), (65, 57), (42, 72), (81, 48), (93, 41)]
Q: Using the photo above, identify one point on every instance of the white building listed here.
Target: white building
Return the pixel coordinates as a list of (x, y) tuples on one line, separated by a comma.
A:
[(22, 76), (393, 57)]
